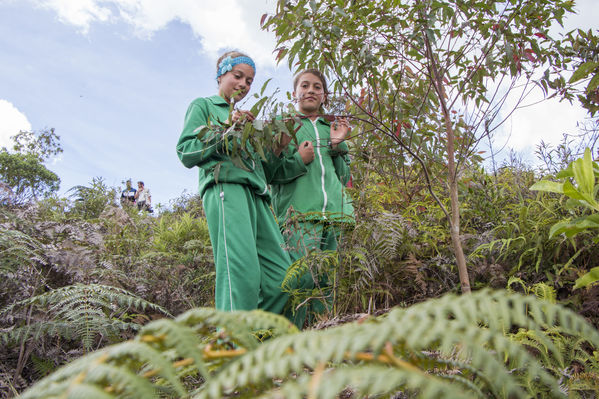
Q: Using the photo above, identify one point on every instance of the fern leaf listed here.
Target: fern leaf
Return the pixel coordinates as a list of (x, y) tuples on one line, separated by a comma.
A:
[(122, 382), (368, 380), (179, 337), (454, 346), (77, 311)]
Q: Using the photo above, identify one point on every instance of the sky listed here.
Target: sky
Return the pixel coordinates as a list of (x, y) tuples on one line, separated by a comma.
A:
[(114, 79)]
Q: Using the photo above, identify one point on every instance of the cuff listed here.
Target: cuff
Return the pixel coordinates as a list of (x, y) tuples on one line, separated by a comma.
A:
[(341, 149)]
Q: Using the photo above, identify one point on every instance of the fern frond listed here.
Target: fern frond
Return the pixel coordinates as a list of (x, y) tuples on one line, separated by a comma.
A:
[(131, 356), (78, 311), (239, 325), (368, 380), (454, 346), (86, 391), (474, 323), (545, 292), (166, 334), (317, 263), (17, 248), (102, 295), (389, 234)]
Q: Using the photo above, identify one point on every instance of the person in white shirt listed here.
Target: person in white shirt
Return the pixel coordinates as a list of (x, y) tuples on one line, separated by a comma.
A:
[(143, 197)]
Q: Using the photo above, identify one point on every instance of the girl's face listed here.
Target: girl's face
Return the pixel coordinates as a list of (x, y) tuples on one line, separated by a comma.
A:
[(309, 93), (237, 80)]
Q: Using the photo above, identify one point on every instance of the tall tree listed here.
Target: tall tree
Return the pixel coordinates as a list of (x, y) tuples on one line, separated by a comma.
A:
[(23, 171), (432, 76)]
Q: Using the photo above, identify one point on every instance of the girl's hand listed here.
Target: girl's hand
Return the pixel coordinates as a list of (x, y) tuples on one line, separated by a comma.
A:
[(281, 142), (242, 116), (306, 150), (339, 130)]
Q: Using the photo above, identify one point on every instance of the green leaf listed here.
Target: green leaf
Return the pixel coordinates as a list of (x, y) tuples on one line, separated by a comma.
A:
[(258, 124), (583, 173), (589, 278), (593, 84), (217, 172), (565, 227), (549, 186), (264, 86), (257, 108), (260, 150), (572, 192), (201, 131), (565, 173), (571, 228), (583, 71)]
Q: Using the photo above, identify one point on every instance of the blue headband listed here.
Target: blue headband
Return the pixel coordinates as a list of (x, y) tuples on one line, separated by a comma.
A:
[(228, 63)]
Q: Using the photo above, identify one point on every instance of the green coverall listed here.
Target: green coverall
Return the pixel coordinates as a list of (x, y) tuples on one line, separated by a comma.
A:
[(314, 196), (246, 241)]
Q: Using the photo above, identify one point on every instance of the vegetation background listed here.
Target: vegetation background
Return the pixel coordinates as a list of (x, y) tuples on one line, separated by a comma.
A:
[(84, 278)]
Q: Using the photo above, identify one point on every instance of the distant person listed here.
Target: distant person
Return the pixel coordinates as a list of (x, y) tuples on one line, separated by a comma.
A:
[(143, 197), (128, 195)]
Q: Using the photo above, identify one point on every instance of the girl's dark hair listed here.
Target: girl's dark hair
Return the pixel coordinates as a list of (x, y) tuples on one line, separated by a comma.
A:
[(319, 75), (233, 54)]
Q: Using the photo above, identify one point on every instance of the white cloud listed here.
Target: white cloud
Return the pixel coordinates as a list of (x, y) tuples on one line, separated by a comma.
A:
[(585, 16), (80, 13), (11, 122), (546, 121), (223, 24)]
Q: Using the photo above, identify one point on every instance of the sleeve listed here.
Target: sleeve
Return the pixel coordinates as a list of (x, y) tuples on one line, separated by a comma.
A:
[(341, 162), (287, 168), (191, 150)]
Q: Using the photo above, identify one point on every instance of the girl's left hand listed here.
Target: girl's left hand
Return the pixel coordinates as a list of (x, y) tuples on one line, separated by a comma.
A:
[(242, 116), (339, 129), (282, 140)]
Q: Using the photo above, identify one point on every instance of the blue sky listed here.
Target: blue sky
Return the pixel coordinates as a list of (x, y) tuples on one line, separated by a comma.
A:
[(115, 77)]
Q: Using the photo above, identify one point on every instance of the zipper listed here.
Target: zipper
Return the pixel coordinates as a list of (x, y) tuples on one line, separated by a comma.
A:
[(324, 193)]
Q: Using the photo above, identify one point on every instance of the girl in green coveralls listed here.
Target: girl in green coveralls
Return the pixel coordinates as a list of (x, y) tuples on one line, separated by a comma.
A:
[(316, 201), (246, 241)]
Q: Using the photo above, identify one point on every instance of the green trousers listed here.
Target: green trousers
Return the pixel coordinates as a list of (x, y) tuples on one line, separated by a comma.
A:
[(313, 236), (248, 249)]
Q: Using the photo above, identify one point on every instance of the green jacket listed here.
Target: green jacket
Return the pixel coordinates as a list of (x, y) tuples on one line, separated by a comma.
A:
[(316, 190), (209, 154)]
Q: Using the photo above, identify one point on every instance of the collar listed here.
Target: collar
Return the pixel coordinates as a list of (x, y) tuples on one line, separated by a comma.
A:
[(218, 100), (319, 119)]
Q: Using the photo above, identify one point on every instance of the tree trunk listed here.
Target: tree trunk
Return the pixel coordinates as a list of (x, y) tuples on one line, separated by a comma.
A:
[(454, 222), (454, 219)]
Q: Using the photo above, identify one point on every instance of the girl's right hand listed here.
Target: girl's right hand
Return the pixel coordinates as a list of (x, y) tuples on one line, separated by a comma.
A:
[(306, 150)]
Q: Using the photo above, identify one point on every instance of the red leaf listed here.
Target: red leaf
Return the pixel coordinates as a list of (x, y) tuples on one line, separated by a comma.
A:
[(528, 53), (361, 98), (541, 35), (263, 19)]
